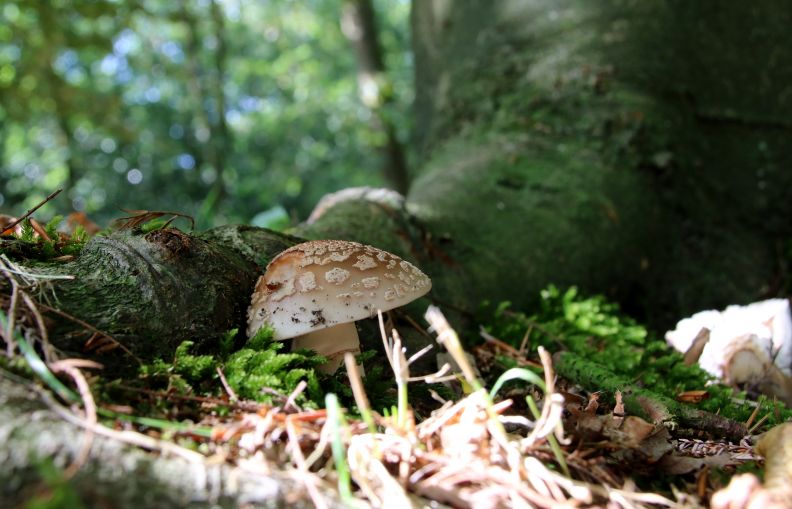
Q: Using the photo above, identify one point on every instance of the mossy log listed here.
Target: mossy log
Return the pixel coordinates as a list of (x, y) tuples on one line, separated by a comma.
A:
[(643, 402), (150, 291), (38, 444)]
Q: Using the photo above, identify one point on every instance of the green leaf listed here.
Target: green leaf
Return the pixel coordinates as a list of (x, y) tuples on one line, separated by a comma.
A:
[(517, 374)]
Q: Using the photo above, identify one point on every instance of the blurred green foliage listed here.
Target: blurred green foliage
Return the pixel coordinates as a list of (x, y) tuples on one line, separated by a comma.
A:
[(222, 109)]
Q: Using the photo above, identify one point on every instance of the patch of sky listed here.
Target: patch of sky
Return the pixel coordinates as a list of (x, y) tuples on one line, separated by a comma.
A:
[(134, 176), (173, 51), (185, 161), (127, 42)]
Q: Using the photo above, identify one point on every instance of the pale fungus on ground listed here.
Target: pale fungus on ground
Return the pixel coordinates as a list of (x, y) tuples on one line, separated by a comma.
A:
[(315, 291)]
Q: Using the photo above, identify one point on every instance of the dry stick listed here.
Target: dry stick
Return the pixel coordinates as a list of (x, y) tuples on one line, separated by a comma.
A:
[(524, 343), (758, 423), (241, 405), (29, 212), (92, 329), (299, 460), (417, 327), (517, 354), (385, 342), (749, 422), (71, 368), (128, 437), (231, 394), (45, 344), (9, 333), (290, 401)]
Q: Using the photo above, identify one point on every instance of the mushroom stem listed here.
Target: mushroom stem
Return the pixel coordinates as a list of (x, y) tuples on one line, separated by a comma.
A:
[(332, 343)]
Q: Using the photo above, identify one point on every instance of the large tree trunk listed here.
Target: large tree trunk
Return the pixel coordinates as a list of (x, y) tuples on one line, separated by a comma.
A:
[(633, 149), (636, 149)]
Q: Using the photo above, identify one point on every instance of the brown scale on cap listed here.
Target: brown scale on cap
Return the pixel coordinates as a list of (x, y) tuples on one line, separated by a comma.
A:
[(326, 283)]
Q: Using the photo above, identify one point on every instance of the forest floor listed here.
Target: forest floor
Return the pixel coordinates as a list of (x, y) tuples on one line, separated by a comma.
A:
[(574, 405)]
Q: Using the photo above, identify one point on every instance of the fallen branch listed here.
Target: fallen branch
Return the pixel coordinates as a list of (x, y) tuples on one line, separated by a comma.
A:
[(642, 402), (29, 212)]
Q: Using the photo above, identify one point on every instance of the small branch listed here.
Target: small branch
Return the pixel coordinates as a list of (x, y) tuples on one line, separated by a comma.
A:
[(29, 212), (91, 328), (229, 390), (642, 402)]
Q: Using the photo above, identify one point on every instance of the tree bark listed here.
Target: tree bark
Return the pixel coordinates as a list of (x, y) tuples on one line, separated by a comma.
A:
[(636, 150), (165, 284)]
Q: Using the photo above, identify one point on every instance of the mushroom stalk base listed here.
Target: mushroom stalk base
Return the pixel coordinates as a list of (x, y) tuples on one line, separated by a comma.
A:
[(332, 343)]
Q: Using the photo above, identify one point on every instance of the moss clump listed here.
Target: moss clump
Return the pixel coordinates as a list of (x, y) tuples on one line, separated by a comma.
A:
[(261, 364), (258, 371), (27, 244), (594, 329)]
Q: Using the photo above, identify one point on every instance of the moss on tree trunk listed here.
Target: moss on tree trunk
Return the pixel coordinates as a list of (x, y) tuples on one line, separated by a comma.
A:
[(152, 291)]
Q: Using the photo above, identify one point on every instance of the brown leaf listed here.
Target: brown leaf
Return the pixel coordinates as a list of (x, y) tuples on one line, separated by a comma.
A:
[(692, 396)]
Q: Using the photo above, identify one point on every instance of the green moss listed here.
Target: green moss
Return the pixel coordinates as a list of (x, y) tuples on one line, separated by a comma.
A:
[(261, 365), (56, 492), (259, 371), (594, 329), (28, 245)]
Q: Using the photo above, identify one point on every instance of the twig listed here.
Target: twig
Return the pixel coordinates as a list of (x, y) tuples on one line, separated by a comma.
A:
[(71, 368), (758, 423), (128, 437), (9, 332), (515, 354), (91, 328), (29, 212), (752, 417), (230, 391), (240, 405), (417, 327), (290, 401), (299, 460), (524, 342), (42, 327)]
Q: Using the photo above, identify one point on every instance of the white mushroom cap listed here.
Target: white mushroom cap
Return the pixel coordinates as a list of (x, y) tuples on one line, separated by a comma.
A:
[(323, 283)]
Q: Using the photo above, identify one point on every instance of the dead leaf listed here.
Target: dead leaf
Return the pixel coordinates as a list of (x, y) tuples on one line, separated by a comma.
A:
[(692, 396)]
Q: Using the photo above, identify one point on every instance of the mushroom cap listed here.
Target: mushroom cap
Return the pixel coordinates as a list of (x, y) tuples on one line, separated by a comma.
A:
[(323, 283)]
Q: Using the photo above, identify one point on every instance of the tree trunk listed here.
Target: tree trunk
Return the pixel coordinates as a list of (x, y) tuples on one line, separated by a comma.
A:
[(633, 149), (165, 284), (359, 24)]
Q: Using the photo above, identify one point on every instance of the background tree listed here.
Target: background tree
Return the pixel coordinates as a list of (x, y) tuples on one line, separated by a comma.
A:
[(224, 110)]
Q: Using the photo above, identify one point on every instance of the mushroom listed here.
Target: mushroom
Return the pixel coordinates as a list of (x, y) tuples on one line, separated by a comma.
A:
[(315, 291)]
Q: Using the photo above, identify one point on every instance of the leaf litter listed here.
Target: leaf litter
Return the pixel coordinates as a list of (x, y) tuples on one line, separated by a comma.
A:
[(546, 443)]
